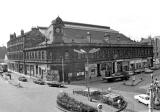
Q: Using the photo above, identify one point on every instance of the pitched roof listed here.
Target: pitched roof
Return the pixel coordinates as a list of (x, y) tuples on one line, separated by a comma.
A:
[(77, 33), (84, 25)]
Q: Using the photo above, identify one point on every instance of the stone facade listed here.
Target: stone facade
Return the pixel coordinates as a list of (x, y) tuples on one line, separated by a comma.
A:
[(51, 55), (17, 44)]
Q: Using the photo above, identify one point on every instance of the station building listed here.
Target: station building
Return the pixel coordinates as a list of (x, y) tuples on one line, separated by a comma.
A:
[(69, 49)]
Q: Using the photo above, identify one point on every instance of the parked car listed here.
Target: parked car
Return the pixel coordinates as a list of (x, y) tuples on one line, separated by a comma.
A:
[(23, 79), (39, 81), (138, 71), (54, 84), (143, 98), (155, 68), (117, 76), (147, 70), (115, 100), (130, 73)]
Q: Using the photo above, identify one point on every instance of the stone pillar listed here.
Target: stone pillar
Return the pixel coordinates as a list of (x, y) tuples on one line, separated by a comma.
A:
[(38, 72), (115, 67), (34, 70), (29, 70)]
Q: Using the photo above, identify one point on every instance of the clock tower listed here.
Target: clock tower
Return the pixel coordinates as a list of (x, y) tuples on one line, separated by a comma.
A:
[(58, 26)]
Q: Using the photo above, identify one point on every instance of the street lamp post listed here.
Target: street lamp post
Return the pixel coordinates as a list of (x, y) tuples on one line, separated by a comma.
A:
[(24, 56), (150, 106), (63, 69), (81, 51)]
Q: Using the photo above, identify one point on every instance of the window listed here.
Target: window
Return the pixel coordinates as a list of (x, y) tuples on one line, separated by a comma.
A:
[(35, 54), (43, 55), (39, 55)]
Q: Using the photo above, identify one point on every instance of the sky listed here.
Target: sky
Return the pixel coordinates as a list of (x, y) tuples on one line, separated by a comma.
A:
[(133, 18)]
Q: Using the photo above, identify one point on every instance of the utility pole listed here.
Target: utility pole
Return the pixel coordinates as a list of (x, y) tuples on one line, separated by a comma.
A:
[(87, 76), (63, 69), (150, 106), (81, 51), (24, 56)]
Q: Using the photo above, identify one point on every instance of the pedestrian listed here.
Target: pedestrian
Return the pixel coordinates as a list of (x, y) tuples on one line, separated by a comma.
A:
[(9, 76), (133, 79), (19, 84), (156, 81)]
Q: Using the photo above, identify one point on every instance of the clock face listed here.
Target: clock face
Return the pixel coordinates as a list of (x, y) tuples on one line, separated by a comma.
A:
[(57, 30)]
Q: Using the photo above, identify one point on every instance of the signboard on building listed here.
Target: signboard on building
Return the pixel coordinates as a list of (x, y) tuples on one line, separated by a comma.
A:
[(53, 75)]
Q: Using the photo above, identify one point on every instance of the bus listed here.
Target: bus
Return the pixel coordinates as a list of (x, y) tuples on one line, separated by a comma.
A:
[(3, 67)]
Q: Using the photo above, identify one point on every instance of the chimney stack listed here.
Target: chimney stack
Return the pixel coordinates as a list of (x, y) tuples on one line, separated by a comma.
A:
[(22, 32), (14, 35), (11, 36), (34, 28)]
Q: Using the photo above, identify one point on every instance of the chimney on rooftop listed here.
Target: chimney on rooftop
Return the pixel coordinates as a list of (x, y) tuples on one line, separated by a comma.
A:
[(22, 32), (14, 35), (34, 28), (11, 36)]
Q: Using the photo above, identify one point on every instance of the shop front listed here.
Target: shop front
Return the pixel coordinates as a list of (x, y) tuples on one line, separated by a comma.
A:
[(125, 65), (42, 69), (138, 64), (92, 70), (106, 69)]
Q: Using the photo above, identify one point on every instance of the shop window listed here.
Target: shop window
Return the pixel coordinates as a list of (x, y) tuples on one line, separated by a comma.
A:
[(40, 71), (36, 69)]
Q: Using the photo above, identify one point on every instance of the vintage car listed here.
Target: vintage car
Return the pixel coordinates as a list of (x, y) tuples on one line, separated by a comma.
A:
[(54, 84), (155, 68), (147, 70), (115, 100), (138, 71), (39, 81), (143, 98), (130, 73), (22, 78), (117, 76)]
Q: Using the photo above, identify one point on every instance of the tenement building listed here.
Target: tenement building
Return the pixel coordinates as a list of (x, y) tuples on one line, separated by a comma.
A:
[(70, 50)]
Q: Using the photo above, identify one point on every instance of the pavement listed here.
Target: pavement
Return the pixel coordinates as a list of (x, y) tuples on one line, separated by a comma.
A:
[(133, 83), (83, 82), (41, 98)]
